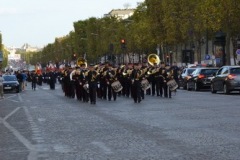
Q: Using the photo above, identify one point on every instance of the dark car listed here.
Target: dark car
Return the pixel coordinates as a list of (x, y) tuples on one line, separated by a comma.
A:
[(184, 76), (201, 78), (227, 79), (10, 83)]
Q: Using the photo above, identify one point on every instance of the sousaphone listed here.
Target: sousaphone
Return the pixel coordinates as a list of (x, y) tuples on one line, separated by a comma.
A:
[(81, 61), (153, 59)]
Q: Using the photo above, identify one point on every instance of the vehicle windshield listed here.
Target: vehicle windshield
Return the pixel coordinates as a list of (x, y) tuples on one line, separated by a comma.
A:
[(208, 71), (189, 71), (9, 78), (235, 70)]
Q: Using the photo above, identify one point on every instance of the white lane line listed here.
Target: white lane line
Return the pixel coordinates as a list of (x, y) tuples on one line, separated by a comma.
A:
[(13, 100), (103, 147), (10, 114), (11, 96), (22, 139), (20, 98)]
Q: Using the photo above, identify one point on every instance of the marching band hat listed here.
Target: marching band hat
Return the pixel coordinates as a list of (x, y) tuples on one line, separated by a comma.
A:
[(91, 65)]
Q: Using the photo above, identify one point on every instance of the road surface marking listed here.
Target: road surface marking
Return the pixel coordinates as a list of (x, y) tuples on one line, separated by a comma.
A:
[(10, 114)]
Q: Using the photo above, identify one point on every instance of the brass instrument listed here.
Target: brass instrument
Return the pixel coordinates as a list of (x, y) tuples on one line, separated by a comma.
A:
[(81, 61), (122, 66), (127, 72), (153, 59), (153, 71)]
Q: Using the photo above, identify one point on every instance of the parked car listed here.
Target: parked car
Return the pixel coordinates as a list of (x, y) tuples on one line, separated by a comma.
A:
[(227, 79), (184, 76), (201, 78), (10, 83)]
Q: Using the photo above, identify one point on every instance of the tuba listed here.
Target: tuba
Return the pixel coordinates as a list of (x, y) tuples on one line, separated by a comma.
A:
[(81, 61), (153, 59)]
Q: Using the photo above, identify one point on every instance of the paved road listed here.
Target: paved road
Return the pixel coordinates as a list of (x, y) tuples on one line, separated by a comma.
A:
[(45, 125)]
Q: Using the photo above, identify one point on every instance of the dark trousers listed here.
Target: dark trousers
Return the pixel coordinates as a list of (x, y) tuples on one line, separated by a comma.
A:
[(136, 91), (103, 90), (93, 92), (34, 85), (153, 87), (161, 88), (167, 91), (79, 91), (111, 93), (127, 87)]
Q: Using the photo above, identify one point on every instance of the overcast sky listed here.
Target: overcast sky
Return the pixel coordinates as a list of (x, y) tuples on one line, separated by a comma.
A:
[(38, 22)]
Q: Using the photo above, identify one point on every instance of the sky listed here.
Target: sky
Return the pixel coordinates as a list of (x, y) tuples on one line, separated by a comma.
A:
[(39, 22)]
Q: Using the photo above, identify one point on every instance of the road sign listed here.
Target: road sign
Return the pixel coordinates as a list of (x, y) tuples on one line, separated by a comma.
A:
[(238, 51), (207, 57), (238, 57)]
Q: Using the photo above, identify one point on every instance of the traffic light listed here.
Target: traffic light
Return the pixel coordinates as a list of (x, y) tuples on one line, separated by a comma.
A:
[(123, 43)]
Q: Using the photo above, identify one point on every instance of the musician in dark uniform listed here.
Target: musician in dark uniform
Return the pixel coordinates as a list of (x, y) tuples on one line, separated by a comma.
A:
[(52, 79), (175, 72), (154, 79), (168, 77), (103, 82), (92, 81), (144, 76), (67, 83), (83, 81), (71, 84), (161, 81), (76, 77), (136, 83), (128, 80), (119, 76), (110, 78)]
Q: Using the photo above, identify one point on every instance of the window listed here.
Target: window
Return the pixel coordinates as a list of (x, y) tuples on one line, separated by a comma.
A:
[(189, 71), (225, 71), (235, 70), (208, 71), (219, 71)]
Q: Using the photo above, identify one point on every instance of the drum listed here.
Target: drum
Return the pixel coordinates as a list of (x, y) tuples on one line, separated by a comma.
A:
[(145, 84), (86, 87), (172, 84), (116, 86)]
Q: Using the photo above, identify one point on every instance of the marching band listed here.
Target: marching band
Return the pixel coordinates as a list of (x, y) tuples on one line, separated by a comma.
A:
[(108, 82)]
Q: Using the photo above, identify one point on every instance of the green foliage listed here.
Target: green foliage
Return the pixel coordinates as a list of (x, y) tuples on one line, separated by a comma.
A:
[(164, 22)]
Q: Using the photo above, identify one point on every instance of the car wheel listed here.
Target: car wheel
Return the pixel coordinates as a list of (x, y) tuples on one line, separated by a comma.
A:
[(212, 89), (225, 89), (187, 87), (196, 88)]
